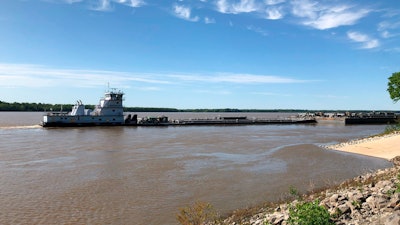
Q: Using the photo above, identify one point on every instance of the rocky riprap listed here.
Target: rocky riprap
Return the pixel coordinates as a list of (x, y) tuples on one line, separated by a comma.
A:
[(373, 198)]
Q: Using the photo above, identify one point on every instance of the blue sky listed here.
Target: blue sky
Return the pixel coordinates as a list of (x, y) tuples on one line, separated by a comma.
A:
[(266, 54)]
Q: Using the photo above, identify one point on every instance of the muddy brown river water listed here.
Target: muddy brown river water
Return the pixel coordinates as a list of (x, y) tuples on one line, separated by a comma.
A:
[(143, 175)]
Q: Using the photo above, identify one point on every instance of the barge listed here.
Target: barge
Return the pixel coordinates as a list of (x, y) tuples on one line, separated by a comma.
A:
[(372, 118), (109, 112), (243, 120), (357, 118)]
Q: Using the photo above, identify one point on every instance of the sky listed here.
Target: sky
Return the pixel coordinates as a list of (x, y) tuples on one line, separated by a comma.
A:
[(189, 54)]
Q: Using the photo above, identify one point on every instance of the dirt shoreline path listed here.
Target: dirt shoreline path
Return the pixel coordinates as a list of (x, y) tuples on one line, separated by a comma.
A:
[(386, 146)]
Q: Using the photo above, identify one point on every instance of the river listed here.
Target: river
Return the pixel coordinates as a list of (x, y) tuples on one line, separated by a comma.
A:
[(143, 175)]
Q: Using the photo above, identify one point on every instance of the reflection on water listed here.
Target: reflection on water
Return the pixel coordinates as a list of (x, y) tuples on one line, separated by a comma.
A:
[(129, 175)]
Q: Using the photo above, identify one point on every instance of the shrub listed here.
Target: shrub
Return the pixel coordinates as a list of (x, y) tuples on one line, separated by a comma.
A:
[(398, 184), (309, 213), (392, 128), (294, 192), (199, 213)]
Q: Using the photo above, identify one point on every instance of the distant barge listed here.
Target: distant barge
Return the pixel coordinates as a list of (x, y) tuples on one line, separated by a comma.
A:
[(357, 118), (372, 118), (109, 112)]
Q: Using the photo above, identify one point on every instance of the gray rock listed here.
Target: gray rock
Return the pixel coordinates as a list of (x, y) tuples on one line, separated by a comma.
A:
[(277, 218), (384, 186), (396, 160), (394, 200), (333, 198), (371, 202), (393, 219), (356, 197), (344, 208)]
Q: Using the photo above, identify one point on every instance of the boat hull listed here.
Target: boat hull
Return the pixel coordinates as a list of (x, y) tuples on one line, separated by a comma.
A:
[(372, 120), (81, 121), (199, 122)]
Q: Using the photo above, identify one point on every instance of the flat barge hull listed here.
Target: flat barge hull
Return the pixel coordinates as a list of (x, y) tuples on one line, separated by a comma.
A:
[(242, 122), (185, 123), (377, 120)]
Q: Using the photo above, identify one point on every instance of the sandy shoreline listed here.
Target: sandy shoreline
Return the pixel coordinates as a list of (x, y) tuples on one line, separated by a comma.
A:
[(386, 146)]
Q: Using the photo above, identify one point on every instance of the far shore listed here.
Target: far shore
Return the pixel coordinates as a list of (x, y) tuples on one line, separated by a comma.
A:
[(382, 146)]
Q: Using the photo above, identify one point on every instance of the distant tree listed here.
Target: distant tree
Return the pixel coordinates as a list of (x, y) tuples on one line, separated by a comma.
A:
[(394, 87)]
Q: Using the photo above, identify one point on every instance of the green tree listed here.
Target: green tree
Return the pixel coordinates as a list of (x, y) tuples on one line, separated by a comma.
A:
[(394, 86)]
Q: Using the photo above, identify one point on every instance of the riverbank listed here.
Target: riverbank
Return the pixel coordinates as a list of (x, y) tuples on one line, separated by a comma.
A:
[(381, 146), (372, 198)]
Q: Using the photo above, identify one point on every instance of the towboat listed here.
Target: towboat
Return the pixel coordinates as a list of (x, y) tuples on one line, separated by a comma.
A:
[(109, 111)]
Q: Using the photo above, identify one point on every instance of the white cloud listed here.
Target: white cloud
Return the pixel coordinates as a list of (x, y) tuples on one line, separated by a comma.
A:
[(104, 5), (234, 7), (274, 13), (26, 75), (184, 13), (366, 41), (208, 20), (236, 78), (386, 34), (132, 3), (274, 2), (385, 28), (324, 17), (258, 30), (304, 8)]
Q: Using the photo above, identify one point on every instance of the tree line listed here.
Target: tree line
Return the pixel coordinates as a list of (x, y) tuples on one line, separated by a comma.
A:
[(32, 107), (44, 107)]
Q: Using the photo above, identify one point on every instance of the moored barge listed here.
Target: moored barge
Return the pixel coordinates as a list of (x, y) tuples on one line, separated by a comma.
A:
[(359, 118)]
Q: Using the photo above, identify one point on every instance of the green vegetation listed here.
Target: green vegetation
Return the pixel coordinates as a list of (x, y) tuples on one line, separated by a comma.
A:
[(394, 87), (392, 128), (309, 213), (294, 192), (33, 107), (198, 214), (149, 109)]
